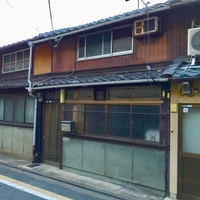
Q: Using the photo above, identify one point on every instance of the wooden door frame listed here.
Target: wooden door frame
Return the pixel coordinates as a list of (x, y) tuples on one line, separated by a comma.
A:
[(180, 146), (180, 120), (57, 164)]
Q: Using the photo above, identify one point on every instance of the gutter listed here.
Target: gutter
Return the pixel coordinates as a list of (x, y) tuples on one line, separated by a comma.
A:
[(100, 25), (102, 83), (184, 3)]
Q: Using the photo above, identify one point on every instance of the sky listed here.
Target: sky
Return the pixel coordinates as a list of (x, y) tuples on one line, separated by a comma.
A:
[(23, 19)]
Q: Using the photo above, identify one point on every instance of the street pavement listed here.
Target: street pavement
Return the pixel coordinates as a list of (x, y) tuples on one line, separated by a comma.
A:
[(125, 192)]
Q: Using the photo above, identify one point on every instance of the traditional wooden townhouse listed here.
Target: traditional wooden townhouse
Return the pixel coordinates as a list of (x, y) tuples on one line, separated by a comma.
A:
[(116, 99), (16, 105)]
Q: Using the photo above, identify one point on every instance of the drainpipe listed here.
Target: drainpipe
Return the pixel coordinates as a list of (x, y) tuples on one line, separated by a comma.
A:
[(29, 69), (31, 94)]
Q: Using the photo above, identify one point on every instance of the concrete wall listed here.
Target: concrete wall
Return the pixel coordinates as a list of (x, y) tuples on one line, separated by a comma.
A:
[(176, 99), (130, 164), (16, 141)]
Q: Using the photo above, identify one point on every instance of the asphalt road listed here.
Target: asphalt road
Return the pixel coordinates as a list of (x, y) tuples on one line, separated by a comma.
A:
[(20, 185)]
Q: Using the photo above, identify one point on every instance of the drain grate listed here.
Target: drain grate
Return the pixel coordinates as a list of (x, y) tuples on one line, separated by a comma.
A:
[(32, 165)]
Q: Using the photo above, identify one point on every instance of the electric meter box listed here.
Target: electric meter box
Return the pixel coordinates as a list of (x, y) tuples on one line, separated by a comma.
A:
[(68, 126)]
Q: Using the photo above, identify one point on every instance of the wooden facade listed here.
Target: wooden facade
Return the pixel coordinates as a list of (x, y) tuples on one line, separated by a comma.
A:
[(166, 47)]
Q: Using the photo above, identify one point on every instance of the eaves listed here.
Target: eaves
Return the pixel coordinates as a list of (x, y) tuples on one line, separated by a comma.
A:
[(99, 80), (100, 23)]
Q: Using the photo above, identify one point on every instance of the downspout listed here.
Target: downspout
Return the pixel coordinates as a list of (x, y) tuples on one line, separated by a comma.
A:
[(31, 94), (29, 69)]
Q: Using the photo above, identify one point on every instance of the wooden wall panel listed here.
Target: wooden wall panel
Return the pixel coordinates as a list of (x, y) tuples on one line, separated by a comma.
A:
[(168, 46), (42, 58), (64, 55)]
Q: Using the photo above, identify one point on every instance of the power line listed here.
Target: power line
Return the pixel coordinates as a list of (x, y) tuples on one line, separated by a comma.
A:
[(21, 16), (56, 40), (49, 3)]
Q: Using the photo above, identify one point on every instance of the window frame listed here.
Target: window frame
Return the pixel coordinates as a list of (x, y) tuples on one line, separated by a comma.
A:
[(15, 61), (84, 48), (154, 129), (13, 118)]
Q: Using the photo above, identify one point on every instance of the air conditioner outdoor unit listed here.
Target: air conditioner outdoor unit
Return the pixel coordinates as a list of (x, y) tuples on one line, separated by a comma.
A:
[(193, 42), (147, 26)]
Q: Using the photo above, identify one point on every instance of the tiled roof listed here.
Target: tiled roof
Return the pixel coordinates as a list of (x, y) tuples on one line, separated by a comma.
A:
[(13, 84), (179, 69), (182, 68), (112, 19), (99, 79), (84, 80), (93, 24)]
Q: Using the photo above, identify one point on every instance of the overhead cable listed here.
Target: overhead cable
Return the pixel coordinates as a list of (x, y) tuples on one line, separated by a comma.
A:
[(51, 18), (21, 16)]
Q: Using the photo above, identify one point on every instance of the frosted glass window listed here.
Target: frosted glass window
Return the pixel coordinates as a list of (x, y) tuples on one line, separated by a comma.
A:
[(1, 108), (94, 45), (122, 39), (94, 119), (29, 114), (191, 127), (8, 109), (146, 123), (118, 121), (19, 110)]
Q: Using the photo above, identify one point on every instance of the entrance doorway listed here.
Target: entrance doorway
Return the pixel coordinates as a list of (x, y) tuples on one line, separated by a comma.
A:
[(51, 134), (189, 152)]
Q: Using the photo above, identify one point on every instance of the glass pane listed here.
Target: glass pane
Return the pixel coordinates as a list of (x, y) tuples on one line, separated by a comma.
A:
[(94, 45), (26, 54), (29, 112), (85, 94), (20, 55), (12, 67), (191, 127), (70, 94), (120, 93), (82, 47), (118, 121), (75, 113), (19, 65), (1, 108), (7, 59), (145, 126), (8, 109), (26, 64), (6, 67), (122, 39), (147, 92), (12, 56), (94, 119), (19, 110), (107, 42)]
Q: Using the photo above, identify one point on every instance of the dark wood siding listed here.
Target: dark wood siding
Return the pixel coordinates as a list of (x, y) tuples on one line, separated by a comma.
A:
[(64, 55), (166, 47)]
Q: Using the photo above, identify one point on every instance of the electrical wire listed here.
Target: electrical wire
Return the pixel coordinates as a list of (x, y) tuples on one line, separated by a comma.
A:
[(22, 16), (51, 18), (56, 40)]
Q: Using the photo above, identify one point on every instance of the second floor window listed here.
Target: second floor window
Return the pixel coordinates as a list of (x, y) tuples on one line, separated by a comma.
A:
[(107, 43), (16, 61)]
